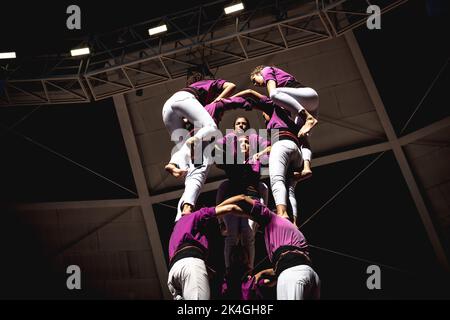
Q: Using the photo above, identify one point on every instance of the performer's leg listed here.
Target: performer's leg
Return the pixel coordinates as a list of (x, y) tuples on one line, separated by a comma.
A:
[(280, 157), (304, 101), (294, 166), (307, 156), (248, 240), (193, 110), (306, 98), (232, 237), (293, 200), (298, 283), (189, 277), (194, 182), (178, 163), (221, 194)]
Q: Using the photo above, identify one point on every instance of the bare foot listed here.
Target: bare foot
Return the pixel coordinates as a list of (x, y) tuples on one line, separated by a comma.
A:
[(187, 209), (309, 124), (175, 171), (300, 176)]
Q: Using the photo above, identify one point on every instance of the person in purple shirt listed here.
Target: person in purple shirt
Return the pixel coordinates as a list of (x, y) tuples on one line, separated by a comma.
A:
[(285, 161), (188, 104), (287, 250), (287, 92), (188, 250), (201, 157), (243, 176)]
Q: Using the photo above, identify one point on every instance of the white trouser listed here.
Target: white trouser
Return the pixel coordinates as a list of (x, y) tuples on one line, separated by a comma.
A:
[(298, 283), (239, 225), (188, 280), (296, 99), (285, 157), (193, 183), (306, 152), (184, 105)]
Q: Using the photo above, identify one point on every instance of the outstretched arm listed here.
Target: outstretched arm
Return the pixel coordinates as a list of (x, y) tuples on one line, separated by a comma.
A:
[(271, 84), (249, 93), (222, 210), (228, 88), (244, 202), (258, 155)]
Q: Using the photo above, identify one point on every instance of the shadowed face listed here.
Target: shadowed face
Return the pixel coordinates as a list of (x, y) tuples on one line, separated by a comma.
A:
[(244, 144), (240, 125), (257, 80)]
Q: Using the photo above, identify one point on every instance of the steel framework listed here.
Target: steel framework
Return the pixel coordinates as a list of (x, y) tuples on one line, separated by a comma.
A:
[(128, 59)]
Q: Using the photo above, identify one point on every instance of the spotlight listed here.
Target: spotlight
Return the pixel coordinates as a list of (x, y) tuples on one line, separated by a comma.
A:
[(234, 8), (7, 55), (79, 52), (156, 30)]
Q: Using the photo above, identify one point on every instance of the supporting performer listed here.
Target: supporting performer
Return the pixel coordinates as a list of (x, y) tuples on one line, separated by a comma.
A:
[(287, 250), (290, 94), (188, 249), (285, 160)]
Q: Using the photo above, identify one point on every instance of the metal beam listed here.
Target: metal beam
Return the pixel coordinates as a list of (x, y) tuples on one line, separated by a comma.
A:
[(424, 132), (398, 151), (321, 161), (116, 203), (351, 154), (213, 39), (141, 185)]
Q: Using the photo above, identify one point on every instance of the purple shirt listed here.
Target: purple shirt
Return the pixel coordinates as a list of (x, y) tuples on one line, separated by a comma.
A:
[(280, 77), (206, 90), (257, 143), (250, 290), (280, 118), (216, 109), (190, 229), (278, 231)]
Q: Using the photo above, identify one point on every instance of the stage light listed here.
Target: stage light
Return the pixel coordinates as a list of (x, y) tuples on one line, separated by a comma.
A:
[(7, 55), (234, 8), (79, 52), (157, 30)]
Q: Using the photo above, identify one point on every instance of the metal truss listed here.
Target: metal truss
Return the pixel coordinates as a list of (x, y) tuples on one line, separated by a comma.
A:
[(128, 59)]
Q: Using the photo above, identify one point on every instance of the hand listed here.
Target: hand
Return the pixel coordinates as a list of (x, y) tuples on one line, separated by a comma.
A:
[(260, 274), (256, 156), (304, 132), (228, 208), (192, 140), (217, 99)]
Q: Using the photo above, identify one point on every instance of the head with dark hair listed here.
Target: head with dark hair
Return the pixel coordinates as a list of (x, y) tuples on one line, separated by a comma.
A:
[(194, 76), (256, 77), (241, 124)]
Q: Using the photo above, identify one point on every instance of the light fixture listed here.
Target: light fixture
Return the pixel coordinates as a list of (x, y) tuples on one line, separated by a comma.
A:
[(156, 30), (234, 8), (79, 52), (7, 55)]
